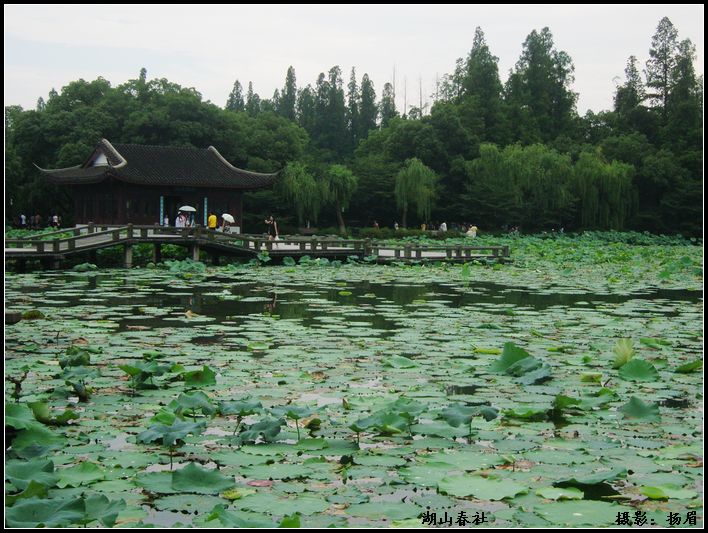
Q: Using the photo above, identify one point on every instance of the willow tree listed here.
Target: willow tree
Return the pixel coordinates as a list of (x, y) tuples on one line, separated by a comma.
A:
[(605, 193), (338, 187), (300, 189), (415, 185)]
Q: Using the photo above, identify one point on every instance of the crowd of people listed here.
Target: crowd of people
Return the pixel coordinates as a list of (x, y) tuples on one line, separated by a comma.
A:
[(467, 228), (36, 222)]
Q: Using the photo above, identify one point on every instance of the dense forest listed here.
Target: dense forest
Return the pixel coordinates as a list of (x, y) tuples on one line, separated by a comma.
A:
[(488, 153)]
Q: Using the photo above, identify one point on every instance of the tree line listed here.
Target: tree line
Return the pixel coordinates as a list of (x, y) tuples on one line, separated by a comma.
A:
[(491, 153)]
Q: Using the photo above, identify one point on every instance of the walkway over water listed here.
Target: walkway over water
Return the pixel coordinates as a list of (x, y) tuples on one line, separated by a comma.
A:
[(89, 239)]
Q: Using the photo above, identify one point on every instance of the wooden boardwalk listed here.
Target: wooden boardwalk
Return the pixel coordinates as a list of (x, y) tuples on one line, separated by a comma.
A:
[(89, 239)]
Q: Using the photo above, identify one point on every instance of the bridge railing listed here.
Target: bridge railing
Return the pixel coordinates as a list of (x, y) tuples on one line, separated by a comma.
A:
[(411, 251), (95, 235)]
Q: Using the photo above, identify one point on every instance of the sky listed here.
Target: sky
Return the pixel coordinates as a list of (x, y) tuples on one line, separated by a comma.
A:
[(208, 47)]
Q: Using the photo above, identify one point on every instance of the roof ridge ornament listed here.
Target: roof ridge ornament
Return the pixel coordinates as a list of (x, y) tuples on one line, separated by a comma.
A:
[(108, 145)]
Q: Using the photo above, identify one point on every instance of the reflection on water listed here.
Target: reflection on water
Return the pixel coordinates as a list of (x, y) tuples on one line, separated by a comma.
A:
[(223, 298)]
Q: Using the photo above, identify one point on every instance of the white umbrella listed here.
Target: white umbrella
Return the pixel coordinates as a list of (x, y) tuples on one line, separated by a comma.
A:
[(228, 218), (188, 208)]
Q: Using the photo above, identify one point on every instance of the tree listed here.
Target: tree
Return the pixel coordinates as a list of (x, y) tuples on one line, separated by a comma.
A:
[(415, 185), (306, 110), (253, 101), (339, 185), (660, 66), (539, 88), (388, 105), (605, 194), (235, 101), (288, 96), (352, 114), (480, 81), (368, 112), (632, 93), (300, 189)]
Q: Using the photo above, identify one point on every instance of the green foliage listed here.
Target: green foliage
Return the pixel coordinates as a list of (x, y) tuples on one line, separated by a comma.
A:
[(264, 430), (636, 409), (415, 186), (169, 435)]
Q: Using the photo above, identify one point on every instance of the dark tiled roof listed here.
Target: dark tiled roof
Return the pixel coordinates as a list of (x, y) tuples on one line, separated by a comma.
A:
[(161, 165)]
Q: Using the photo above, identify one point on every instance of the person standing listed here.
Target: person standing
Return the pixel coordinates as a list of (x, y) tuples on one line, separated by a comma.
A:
[(211, 221), (272, 229), (23, 221)]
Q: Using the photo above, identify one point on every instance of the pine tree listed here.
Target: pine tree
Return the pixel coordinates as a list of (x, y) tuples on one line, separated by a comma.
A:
[(235, 101), (368, 112), (539, 90), (481, 82), (660, 66), (253, 101), (306, 110), (388, 105), (352, 114), (288, 96), (632, 93)]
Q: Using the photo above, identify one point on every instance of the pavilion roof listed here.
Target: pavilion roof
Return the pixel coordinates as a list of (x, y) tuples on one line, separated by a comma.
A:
[(161, 166)]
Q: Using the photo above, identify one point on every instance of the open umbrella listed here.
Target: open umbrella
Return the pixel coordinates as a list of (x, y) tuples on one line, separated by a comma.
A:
[(228, 218), (188, 208)]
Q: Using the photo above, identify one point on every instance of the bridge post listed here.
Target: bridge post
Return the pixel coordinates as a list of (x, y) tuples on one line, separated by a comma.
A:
[(130, 231), (128, 255), (90, 227), (367, 247), (506, 251), (157, 253), (407, 251), (194, 251), (313, 245)]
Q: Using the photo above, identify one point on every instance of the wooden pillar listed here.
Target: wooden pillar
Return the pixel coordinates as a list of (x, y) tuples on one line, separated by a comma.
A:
[(128, 256), (215, 259), (157, 253), (194, 251), (367, 248)]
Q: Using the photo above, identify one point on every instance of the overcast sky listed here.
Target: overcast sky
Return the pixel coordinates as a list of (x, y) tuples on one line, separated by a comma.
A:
[(209, 46)]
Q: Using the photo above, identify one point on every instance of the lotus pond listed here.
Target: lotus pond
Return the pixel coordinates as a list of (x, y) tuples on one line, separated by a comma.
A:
[(561, 389)]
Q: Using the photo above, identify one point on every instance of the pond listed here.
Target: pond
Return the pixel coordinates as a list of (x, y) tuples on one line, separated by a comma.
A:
[(382, 394)]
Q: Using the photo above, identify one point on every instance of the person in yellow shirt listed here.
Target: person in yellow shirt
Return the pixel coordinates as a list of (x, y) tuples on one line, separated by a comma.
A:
[(211, 221)]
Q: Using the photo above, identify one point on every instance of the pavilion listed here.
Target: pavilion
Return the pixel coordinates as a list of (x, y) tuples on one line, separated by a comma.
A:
[(131, 183)]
